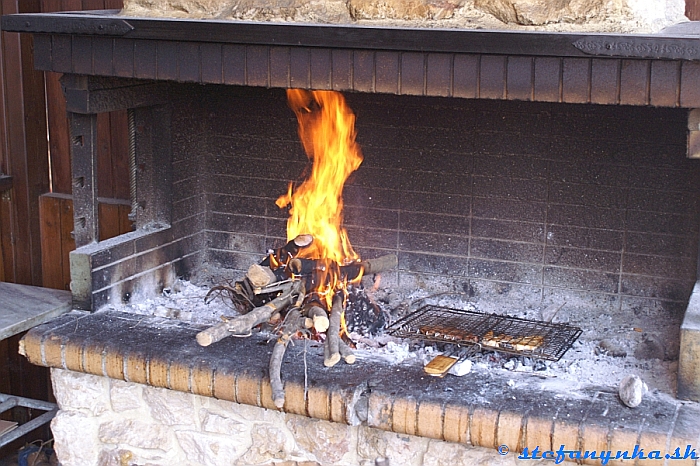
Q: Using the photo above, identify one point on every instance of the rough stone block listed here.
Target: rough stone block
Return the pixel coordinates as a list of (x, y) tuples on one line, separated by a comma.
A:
[(77, 391), (170, 407), (541, 12), (201, 448), (124, 396), (68, 426), (650, 15), (131, 432), (267, 442), (327, 441)]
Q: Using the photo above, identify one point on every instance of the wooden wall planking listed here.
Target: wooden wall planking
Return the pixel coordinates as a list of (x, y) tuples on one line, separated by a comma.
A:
[(24, 150), (114, 217), (113, 155), (57, 224), (24, 154), (692, 9)]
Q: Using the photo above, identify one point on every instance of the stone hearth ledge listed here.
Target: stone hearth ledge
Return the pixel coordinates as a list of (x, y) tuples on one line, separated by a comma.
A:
[(473, 410)]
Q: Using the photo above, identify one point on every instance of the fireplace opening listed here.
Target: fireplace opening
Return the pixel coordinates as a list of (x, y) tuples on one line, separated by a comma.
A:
[(514, 208)]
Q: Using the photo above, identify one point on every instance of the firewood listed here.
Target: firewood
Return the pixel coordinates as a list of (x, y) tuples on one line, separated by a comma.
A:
[(332, 346), (346, 352), (291, 325), (369, 266), (300, 266), (281, 256), (260, 275), (243, 325), (318, 317), (379, 264)]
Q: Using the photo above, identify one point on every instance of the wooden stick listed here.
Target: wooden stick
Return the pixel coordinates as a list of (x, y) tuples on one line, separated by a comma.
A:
[(319, 318), (346, 352), (369, 266), (292, 323), (379, 264), (332, 346), (243, 325)]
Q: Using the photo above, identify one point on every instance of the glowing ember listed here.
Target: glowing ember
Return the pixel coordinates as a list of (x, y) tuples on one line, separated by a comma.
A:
[(327, 131)]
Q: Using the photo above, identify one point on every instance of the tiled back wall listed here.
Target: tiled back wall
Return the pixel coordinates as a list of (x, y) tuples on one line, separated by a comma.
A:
[(532, 201)]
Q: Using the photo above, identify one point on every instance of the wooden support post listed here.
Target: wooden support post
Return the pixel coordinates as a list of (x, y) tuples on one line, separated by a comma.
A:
[(83, 130)]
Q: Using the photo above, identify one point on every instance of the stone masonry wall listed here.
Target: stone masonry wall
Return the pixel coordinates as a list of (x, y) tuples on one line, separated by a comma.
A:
[(114, 423), (579, 15)]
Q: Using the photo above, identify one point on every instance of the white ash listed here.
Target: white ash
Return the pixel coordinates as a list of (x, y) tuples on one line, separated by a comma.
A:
[(588, 362), (607, 351), (184, 301)]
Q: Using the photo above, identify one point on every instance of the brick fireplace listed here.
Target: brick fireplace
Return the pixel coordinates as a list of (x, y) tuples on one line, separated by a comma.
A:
[(527, 169)]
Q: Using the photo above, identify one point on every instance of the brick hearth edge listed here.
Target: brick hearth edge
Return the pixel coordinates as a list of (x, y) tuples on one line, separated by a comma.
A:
[(476, 410)]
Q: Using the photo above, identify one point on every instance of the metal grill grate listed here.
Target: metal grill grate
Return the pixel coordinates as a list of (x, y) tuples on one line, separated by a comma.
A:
[(543, 340)]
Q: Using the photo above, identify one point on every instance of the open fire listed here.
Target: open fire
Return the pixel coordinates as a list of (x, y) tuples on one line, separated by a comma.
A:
[(302, 287)]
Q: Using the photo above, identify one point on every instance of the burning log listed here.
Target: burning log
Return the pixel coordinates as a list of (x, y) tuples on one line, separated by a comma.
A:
[(348, 272), (249, 291), (243, 325)]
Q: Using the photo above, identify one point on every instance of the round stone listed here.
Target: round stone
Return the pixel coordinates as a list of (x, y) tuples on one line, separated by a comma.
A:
[(631, 390)]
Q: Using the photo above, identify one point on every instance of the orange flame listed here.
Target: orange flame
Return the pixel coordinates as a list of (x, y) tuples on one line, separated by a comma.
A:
[(327, 131)]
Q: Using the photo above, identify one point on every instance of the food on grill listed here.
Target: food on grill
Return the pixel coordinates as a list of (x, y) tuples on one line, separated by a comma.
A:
[(526, 343), (447, 333), (439, 365)]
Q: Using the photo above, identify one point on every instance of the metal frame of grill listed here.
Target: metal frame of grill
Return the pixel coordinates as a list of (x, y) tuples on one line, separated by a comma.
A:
[(542, 340)]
